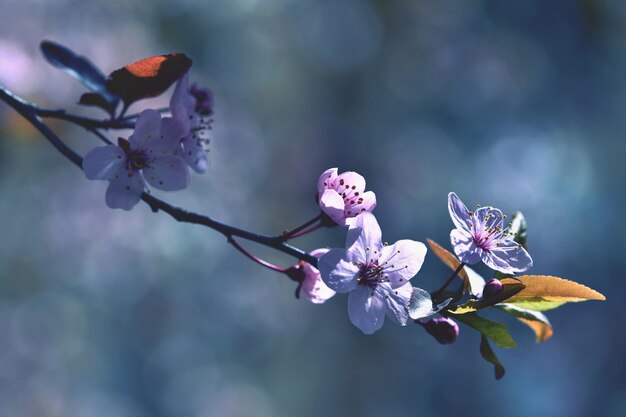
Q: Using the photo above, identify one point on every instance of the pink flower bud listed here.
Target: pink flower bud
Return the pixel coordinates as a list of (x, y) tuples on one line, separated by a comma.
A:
[(444, 329), (492, 287)]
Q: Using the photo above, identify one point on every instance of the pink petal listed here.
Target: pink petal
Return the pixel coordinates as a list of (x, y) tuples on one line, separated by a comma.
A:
[(366, 309), (349, 183), (364, 240), (332, 204), (313, 286), (402, 261), (324, 181), (102, 163), (174, 130), (338, 273), (125, 191), (458, 212), (508, 258), (167, 173)]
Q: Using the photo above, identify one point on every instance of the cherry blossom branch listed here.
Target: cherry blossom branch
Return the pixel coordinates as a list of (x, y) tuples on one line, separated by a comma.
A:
[(33, 114), (255, 258), (85, 122), (294, 233)]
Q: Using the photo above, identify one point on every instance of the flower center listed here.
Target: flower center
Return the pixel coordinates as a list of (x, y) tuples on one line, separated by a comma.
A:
[(486, 231), (351, 197), (370, 274), (136, 159)]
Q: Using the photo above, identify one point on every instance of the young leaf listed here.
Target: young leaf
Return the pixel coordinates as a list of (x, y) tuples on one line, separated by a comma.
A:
[(537, 321), (545, 292), (450, 260), (497, 332), (78, 67), (147, 78), (519, 228), (488, 354), (510, 287)]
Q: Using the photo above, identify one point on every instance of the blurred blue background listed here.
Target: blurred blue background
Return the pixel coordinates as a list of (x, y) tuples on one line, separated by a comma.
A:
[(515, 104)]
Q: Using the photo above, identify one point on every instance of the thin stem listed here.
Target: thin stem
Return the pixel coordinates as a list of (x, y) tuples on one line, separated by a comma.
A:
[(100, 135), (307, 231), (30, 113), (448, 282), (293, 233), (85, 122), (255, 258)]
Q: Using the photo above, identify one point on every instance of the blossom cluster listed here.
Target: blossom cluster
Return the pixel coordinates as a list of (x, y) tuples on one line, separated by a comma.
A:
[(159, 152)]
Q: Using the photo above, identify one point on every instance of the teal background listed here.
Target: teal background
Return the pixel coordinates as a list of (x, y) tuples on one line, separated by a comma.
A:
[(515, 104)]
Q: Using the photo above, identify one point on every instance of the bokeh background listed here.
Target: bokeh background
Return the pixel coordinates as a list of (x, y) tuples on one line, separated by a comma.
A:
[(515, 104)]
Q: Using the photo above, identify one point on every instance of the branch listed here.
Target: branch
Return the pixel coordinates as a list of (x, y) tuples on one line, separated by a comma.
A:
[(32, 113)]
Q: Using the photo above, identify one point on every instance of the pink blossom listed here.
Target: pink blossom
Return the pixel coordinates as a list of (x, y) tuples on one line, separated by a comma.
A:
[(193, 107), (313, 286), (342, 197), (376, 276), (150, 154)]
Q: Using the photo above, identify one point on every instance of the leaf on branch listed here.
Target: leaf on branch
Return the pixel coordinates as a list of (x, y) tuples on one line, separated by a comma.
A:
[(80, 68), (488, 354), (149, 77), (497, 332), (536, 320), (97, 100), (510, 287), (450, 260), (545, 292)]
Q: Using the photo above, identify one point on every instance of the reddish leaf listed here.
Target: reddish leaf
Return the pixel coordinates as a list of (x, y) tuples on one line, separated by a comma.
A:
[(149, 77)]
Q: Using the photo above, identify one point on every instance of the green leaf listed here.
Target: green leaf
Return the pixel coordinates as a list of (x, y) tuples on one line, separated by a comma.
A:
[(510, 287), (497, 332), (545, 292), (488, 354), (537, 321)]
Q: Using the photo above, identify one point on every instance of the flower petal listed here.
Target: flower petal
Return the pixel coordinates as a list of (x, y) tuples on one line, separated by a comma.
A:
[(324, 181), (396, 302), (313, 287), (195, 155), (173, 129), (476, 282), (147, 130), (458, 212), (464, 246), (349, 183), (508, 258), (366, 309), (364, 239), (167, 173), (402, 260), (332, 204), (182, 100), (103, 162), (125, 191), (337, 271)]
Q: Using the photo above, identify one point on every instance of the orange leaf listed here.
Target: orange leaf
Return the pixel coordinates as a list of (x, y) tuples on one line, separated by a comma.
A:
[(450, 260), (147, 78), (545, 292)]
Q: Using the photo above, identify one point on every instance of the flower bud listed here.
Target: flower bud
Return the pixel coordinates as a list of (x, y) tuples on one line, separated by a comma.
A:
[(444, 329), (492, 287)]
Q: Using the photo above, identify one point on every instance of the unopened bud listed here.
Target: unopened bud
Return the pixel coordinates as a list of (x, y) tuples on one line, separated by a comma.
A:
[(444, 329), (492, 287)]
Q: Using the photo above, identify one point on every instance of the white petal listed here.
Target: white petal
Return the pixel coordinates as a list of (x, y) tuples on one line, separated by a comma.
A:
[(458, 212), (464, 247), (167, 173), (125, 191), (364, 240), (338, 272), (366, 309), (402, 260), (476, 282), (194, 155), (182, 100), (396, 302), (147, 130), (102, 163), (421, 305)]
